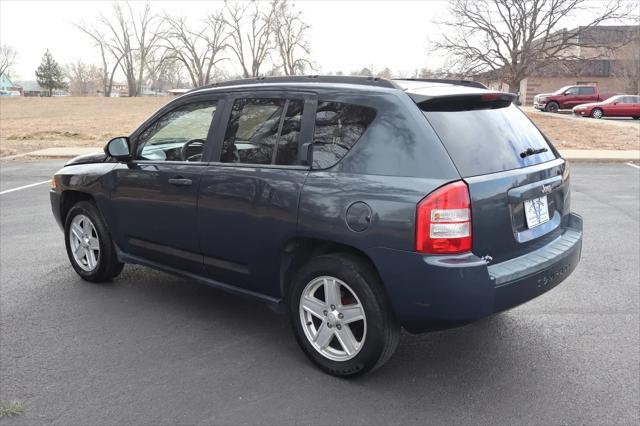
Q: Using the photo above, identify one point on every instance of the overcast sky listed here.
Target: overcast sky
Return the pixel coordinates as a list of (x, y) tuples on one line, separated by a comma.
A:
[(345, 35)]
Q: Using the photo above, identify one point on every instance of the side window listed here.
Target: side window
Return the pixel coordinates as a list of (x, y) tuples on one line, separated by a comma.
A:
[(572, 91), (263, 131), (587, 90), (179, 135), (338, 128)]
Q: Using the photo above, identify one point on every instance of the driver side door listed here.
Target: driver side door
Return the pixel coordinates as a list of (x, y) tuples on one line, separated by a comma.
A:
[(154, 196)]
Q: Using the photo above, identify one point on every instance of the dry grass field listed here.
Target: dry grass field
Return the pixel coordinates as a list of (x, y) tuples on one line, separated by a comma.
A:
[(27, 124)]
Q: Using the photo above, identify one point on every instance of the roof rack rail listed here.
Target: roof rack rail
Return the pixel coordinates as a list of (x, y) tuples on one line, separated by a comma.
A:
[(467, 83), (344, 79)]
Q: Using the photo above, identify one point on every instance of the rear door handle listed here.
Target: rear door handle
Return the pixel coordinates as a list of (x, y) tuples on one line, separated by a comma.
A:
[(178, 181)]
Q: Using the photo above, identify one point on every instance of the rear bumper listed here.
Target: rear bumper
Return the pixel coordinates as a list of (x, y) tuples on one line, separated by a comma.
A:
[(432, 292)]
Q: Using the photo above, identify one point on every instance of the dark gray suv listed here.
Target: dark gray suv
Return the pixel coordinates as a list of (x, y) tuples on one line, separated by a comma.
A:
[(357, 205)]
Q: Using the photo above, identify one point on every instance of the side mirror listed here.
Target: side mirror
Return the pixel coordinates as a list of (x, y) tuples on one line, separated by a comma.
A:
[(307, 154), (118, 148)]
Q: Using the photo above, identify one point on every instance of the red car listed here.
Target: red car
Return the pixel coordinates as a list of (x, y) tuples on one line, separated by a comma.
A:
[(615, 106)]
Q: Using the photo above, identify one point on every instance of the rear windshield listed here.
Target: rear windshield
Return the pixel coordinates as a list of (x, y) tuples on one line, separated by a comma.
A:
[(483, 141)]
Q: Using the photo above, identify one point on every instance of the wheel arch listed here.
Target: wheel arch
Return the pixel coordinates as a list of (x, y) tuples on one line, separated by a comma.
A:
[(69, 198), (297, 251)]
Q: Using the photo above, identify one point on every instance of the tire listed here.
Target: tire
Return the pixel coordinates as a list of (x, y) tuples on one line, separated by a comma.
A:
[(95, 257), (597, 113), (376, 336), (552, 107), (636, 118)]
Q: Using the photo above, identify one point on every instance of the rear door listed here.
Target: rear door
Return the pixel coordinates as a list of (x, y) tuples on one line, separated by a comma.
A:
[(585, 95), (517, 182), (632, 106), (248, 201)]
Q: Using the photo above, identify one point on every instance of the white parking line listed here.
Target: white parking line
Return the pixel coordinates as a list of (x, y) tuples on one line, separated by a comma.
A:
[(24, 187), (633, 165)]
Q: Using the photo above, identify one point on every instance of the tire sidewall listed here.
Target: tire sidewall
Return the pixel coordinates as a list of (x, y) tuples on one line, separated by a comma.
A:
[(594, 113), (552, 107), (89, 210), (374, 342)]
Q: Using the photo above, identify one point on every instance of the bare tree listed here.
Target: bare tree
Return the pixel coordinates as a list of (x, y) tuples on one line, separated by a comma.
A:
[(7, 58), (132, 38), (291, 37), (629, 67), (515, 37), (252, 47), (165, 73), (198, 50), (83, 79), (108, 56), (385, 73)]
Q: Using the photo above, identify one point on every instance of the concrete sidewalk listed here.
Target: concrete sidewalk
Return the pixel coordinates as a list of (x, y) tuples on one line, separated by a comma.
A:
[(569, 154)]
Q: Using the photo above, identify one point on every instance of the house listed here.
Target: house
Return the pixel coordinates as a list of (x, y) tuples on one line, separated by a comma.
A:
[(7, 88), (603, 56), (119, 90), (32, 88)]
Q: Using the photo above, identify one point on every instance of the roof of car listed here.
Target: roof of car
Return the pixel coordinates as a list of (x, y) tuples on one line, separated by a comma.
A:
[(437, 87)]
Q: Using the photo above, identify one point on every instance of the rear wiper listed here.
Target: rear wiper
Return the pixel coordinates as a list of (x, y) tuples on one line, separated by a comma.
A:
[(531, 151)]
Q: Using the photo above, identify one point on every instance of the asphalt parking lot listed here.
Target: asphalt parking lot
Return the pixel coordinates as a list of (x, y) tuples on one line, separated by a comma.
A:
[(154, 349)]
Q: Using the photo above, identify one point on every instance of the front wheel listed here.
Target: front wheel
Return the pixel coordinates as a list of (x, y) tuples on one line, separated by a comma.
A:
[(89, 246), (340, 315), (552, 107), (636, 118), (597, 113)]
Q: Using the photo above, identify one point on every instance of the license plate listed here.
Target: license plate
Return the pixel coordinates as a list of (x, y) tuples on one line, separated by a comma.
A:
[(536, 211)]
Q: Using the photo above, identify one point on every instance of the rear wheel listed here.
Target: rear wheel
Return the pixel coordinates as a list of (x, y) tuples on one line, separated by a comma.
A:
[(597, 113), (552, 107), (89, 246), (340, 315)]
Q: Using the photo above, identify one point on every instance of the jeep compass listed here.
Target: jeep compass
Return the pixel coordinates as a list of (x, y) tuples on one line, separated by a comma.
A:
[(358, 206)]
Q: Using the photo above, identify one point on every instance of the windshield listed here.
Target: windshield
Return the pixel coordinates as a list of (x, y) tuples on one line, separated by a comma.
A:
[(483, 141), (562, 90)]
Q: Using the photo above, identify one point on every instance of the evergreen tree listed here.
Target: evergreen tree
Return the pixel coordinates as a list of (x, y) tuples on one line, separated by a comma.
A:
[(49, 74)]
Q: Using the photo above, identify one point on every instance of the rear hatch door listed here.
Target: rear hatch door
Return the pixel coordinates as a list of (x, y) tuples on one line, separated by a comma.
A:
[(518, 183)]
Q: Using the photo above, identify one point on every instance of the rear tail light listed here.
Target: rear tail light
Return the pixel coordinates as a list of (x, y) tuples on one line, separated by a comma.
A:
[(444, 221)]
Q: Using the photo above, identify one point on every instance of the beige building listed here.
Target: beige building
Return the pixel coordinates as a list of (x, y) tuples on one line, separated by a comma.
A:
[(613, 66)]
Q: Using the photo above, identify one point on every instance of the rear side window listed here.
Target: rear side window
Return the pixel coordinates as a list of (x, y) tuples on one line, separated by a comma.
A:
[(263, 131), (337, 129), (587, 90), (483, 141)]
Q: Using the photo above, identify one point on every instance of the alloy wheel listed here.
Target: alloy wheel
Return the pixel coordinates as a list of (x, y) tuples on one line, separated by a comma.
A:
[(333, 318), (85, 244)]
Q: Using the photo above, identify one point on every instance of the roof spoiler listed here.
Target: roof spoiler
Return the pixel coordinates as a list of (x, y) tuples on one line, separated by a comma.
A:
[(465, 102), (467, 83)]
